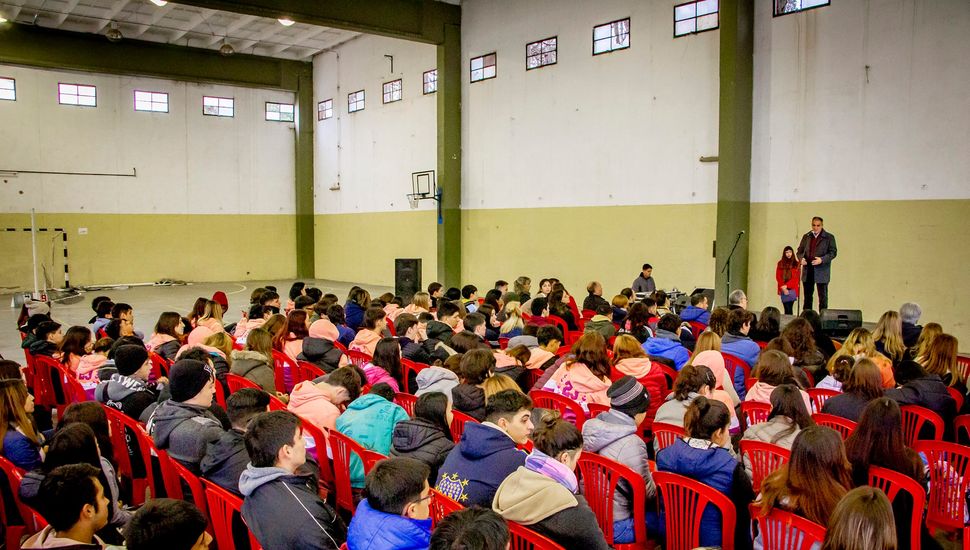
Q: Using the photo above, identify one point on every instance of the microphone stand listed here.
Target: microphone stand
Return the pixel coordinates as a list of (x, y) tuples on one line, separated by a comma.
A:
[(727, 265)]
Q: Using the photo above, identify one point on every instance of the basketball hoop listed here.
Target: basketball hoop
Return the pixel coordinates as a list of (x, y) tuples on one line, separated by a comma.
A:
[(423, 187)]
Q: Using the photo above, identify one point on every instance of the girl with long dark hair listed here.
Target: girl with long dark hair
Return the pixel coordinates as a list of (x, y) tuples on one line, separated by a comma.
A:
[(427, 435), (787, 275)]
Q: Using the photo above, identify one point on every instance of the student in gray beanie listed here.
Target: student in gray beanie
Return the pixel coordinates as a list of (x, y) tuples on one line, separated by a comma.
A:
[(613, 434), (128, 390), (183, 425)]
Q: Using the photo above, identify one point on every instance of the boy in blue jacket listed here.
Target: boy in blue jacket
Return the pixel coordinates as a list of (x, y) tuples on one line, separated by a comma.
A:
[(487, 452), (697, 310), (737, 343), (396, 515), (666, 343)]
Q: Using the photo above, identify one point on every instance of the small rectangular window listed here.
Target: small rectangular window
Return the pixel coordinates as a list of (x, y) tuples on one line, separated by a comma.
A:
[(541, 53), (784, 7), (431, 81), (218, 106), (77, 94), (8, 89), (355, 101), (153, 102), (392, 91), (612, 36), (325, 109), (279, 112), (695, 17), (483, 67)]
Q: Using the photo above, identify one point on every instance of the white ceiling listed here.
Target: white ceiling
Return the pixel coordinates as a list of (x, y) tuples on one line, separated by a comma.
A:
[(178, 24)]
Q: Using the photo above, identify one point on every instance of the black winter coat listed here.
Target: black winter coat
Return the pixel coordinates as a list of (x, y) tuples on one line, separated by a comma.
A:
[(470, 400), (422, 440), (322, 353), (928, 391), (846, 405)]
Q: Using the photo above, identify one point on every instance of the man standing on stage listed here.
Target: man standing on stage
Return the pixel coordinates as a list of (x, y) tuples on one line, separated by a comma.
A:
[(816, 252)]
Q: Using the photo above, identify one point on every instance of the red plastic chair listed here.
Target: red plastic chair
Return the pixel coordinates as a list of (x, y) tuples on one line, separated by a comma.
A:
[(340, 346), (523, 538), (441, 506), (755, 412), (842, 425), (819, 396), (892, 483), (45, 374), (407, 367), (764, 458), (127, 433), (503, 342), (285, 371), (665, 434), (458, 424), (669, 373), (601, 477), (962, 427), (732, 363), (406, 401), (220, 396), (177, 478), (561, 323), (957, 396), (341, 448), (358, 358), (781, 530), (595, 409), (949, 467), (223, 506), (309, 371), (963, 365), (160, 366), (761, 345), (569, 409), (915, 418), (237, 382), (696, 328), (30, 520), (684, 501), (316, 445)]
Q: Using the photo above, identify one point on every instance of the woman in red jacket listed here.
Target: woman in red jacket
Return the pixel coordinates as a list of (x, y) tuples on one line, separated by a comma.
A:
[(787, 276)]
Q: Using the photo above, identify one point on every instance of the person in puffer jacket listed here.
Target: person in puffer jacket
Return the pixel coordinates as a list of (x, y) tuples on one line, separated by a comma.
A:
[(319, 348), (426, 436), (919, 387), (370, 420), (226, 459), (396, 515), (666, 342), (280, 505), (183, 425), (613, 435), (437, 379), (469, 397), (630, 360), (128, 390), (702, 456)]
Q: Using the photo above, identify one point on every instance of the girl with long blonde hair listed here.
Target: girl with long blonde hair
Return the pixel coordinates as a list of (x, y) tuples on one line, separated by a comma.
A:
[(20, 442), (889, 336), (514, 323)]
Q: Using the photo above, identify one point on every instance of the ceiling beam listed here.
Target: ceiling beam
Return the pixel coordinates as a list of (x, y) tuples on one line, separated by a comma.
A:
[(192, 24), (118, 6), (157, 16), (417, 20), (297, 41), (239, 23), (67, 11)]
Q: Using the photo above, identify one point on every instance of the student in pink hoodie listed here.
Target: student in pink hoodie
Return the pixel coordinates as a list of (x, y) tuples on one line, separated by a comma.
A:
[(211, 317), (584, 377), (77, 342), (772, 370), (420, 303), (386, 364), (167, 338), (257, 317), (543, 356), (319, 402), (87, 368), (630, 359), (371, 331)]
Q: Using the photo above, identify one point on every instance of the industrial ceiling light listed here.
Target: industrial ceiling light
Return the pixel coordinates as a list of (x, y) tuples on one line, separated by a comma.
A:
[(3, 19), (227, 49), (285, 21), (113, 34), (159, 3)]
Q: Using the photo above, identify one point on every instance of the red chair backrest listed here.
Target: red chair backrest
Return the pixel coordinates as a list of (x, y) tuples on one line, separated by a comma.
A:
[(669, 373), (45, 376), (523, 538), (406, 401), (185, 478), (309, 371), (31, 521), (957, 396), (696, 328), (962, 428), (732, 363), (963, 365), (340, 346), (285, 371), (237, 383), (503, 342), (358, 358), (781, 530), (684, 501), (596, 408), (755, 412), (915, 418), (819, 396), (316, 444), (223, 506), (441, 506), (341, 448), (220, 394), (569, 409), (665, 434), (561, 323), (160, 366), (73, 390), (764, 458), (458, 424), (892, 483), (408, 367), (127, 433), (949, 467), (842, 425), (601, 477)]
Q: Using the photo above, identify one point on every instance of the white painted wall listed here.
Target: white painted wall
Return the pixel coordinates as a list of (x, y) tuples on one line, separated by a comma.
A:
[(826, 129), (373, 152), (622, 128), (187, 163)]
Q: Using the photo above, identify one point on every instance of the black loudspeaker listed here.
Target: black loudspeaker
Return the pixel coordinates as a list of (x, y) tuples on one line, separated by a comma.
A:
[(407, 278), (840, 322)]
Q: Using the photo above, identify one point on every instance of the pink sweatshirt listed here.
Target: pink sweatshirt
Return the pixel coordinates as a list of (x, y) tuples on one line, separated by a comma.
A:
[(312, 403), (366, 341), (578, 383), (87, 368)]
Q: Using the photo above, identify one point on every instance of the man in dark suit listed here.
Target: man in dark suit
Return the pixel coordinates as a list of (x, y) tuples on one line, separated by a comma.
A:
[(816, 252)]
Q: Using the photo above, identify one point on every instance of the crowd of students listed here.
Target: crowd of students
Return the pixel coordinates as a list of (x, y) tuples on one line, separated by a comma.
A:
[(636, 357)]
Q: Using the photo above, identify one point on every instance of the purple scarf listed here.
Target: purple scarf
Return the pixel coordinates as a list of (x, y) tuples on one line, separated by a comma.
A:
[(541, 463)]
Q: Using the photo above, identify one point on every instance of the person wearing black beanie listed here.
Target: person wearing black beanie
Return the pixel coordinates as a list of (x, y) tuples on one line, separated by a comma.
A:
[(183, 425), (614, 435), (128, 389)]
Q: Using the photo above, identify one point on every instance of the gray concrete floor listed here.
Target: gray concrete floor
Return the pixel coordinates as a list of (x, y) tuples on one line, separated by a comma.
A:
[(150, 301)]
